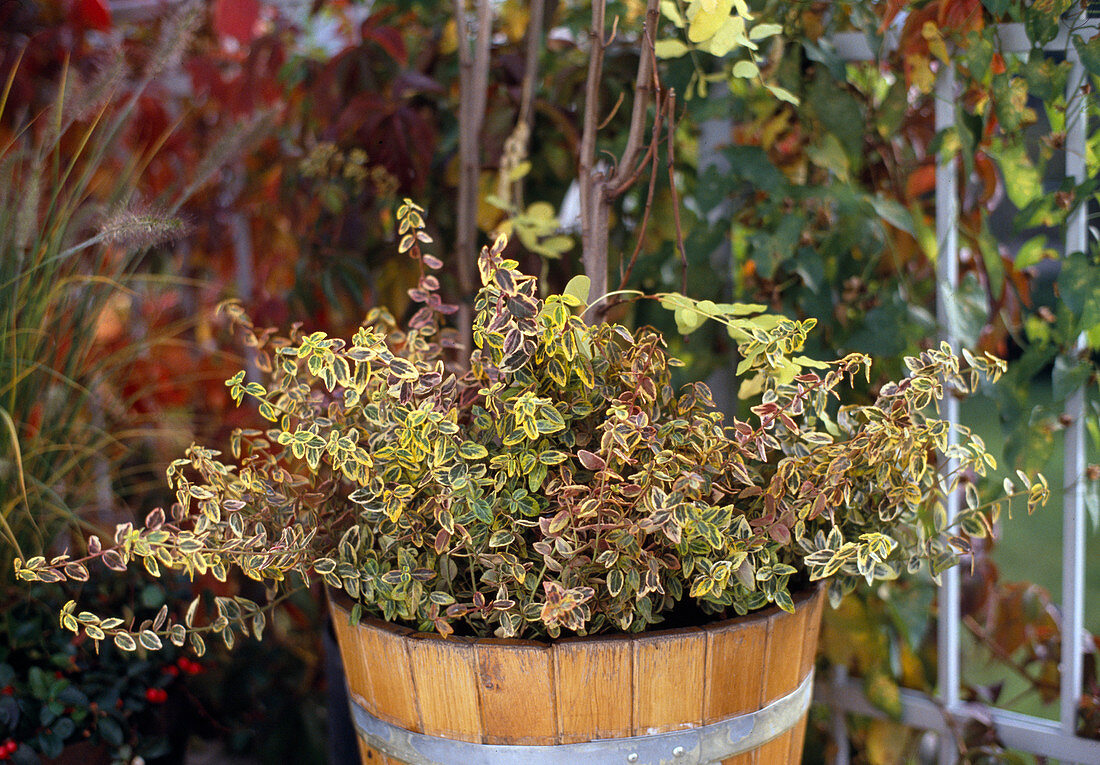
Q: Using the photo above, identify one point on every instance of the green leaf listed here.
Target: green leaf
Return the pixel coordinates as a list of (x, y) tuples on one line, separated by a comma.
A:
[(1069, 375), (1033, 251), (760, 31), (967, 309), (501, 538), (893, 213), (746, 70), (579, 287), (615, 582), (110, 730), (125, 642), (838, 112), (403, 369), (552, 457), (1079, 284), (483, 511), (472, 451), (1023, 181), (150, 640), (1089, 53)]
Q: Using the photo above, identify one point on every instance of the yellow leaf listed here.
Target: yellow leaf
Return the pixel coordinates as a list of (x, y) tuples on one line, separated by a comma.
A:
[(519, 171), (448, 41), (514, 17), (541, 211), (672, 13), (669, 48), (751, 387), (921, 72), (730, 35), (705, 23), (886, 742), (938, 48), (488, 216), (782, 94), (760, 31)]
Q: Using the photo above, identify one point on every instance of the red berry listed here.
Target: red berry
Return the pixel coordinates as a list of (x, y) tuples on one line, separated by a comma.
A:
[(156, 695), (171, 670), (188, 666), (8, 690)]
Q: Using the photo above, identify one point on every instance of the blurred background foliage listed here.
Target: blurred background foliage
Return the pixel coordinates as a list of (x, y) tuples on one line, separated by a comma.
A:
[(256, 150)]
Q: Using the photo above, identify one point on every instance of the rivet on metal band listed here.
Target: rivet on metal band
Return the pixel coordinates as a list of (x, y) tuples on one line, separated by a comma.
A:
[(703, 745)]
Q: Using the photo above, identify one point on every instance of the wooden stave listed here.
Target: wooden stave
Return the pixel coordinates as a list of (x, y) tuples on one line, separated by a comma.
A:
[(631, 655)]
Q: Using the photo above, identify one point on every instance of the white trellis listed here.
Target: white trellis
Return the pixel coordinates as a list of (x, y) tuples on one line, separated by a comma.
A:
[(1022, 732)]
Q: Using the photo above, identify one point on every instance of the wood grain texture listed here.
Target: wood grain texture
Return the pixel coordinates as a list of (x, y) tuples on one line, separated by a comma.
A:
[(389, 679), (748, 758), (592, 682), (581, 689), (776, 752), (369, 756), (516, 686), (783, 667), (798, 739), (443, 672), (668, 680), (736, 651), (783, 672), (815, 607), (356, 665)]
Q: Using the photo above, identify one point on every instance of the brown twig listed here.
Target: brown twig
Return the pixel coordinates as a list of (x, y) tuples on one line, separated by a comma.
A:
[(526, 116), (611, 115), (652, 153), (594, 242), (671, 106), (473, 94), (643, 83), (595, 187)]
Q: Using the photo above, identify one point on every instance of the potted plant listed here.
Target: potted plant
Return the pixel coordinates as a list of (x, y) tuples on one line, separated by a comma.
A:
[(545, 544)]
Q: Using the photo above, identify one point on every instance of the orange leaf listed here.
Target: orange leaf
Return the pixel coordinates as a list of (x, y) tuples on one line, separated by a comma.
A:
[(920, 181)]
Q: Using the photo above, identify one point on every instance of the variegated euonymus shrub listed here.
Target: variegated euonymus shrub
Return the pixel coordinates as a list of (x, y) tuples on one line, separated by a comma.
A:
[(559, 483)]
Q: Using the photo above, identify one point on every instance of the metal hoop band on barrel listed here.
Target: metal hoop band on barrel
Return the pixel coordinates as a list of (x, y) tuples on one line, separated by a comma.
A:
[(694, 746)]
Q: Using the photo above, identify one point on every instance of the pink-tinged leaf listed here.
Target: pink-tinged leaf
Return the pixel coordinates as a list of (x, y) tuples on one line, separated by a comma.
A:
[(780, 534), (590, 460), (155, 519)]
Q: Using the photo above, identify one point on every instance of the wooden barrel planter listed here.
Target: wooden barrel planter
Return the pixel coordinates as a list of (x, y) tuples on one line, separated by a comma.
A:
[(734, 692)]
